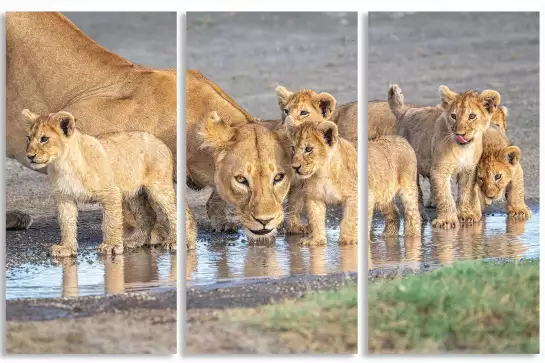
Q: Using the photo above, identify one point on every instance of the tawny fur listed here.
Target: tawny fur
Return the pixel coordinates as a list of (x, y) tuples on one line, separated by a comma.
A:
[(52, 65), (107, 169), (391, 172), (191, 228), (249, 169), (330, 175), (432, 133), (499, 173), (308, 105)]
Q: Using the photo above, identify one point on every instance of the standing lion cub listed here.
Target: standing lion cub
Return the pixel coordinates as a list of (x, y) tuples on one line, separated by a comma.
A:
[(328, 166), (110, 169)]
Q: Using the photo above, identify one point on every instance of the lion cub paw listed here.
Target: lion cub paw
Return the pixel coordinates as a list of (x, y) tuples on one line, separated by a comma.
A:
[(110, 249), (63, 250), (469, 218), (520, 214), (169, 245), (295, 228), (313, 241), (447, 222), (224, 226)]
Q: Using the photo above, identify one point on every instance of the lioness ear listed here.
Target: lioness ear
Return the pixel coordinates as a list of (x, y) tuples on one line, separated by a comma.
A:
[(216, 133), (512, 154), (29, 116), (326, 104), (447, 96), (282, 96), (491, 99), (330, 131), (66, 122)]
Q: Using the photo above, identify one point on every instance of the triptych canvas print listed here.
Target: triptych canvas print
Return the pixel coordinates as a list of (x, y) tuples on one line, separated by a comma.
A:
[(246, 167)]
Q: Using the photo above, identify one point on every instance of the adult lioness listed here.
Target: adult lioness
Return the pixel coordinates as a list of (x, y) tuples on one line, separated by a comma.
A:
[(52, 65), (308, 105), (449, 144), (250, 170)]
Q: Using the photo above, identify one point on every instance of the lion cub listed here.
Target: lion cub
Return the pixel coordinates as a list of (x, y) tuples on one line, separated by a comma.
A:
[(309, 105), (391, 171), (499, 172), (109, 169), (328, 165), (448, 142)]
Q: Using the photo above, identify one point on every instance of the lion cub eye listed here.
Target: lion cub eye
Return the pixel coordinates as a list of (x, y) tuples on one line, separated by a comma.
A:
[(28, 138), (303, 113), (308, 149), (285, 111), (292, 149), (453, 116), (44, 139), (242, 180), (278, 178), (497, 177), (472, 116)]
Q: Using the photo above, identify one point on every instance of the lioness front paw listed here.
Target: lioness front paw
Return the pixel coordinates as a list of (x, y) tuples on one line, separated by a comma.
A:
[(110, 249), (63, 250), (447, 222), (224, 226), (469, 218), (391, 228), (348, 240), (313, 241), (519, 214), (169, 245)]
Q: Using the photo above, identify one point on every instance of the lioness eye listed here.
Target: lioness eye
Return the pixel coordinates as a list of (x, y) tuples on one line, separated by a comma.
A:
[(242, 180), (278, 178), (472, 116), (453, 115), (285, 111), (44, 139), (308, 149), (497, 177), (303, 113)]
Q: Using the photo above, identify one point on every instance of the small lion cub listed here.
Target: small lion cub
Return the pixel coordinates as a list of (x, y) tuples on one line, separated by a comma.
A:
[(328, 166), (391, 171), (109, 169)]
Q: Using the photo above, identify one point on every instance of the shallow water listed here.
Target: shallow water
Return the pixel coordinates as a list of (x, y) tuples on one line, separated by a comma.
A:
[(494, 237), (91, 274), (228, 258)]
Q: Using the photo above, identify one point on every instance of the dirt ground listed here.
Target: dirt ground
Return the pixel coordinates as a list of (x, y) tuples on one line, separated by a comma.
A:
[(249, 54), (421, 51)]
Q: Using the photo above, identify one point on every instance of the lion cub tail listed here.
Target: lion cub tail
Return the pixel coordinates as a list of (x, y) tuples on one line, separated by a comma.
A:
[(395, 100)]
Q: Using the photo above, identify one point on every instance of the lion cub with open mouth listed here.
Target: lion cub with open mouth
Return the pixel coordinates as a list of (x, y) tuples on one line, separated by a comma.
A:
[(109, 169), (328, 166)]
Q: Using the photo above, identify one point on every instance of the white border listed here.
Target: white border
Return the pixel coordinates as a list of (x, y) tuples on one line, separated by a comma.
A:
[(278, 5)]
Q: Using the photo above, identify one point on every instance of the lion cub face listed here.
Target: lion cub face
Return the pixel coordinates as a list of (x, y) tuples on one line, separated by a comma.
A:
[(311, 146), (305, 105), (46, 137), (468, 114), (495, 171)]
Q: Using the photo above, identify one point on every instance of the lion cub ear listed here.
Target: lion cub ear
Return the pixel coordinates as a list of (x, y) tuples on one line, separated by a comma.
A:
[(326, 104), (216, 133), (330, 131), (491, 99), (66, 122), (282, 96), (512, 154), (447, 96), (29, 116)]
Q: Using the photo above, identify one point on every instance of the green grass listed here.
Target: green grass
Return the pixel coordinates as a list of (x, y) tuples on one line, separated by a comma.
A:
[(472, 307), (322, 322)]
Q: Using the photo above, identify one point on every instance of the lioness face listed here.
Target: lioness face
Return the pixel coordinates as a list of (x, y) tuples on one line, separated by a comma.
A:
[(305, 105), (495, 172), (46, 137), (468, 114), (311, 145), (252, 173)]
